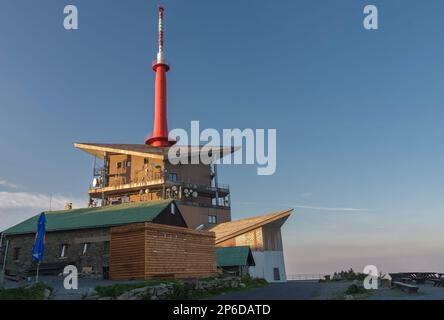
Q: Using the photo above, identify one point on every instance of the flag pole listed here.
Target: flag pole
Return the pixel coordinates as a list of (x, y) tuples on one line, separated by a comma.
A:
[(37, 275), (6, 254)]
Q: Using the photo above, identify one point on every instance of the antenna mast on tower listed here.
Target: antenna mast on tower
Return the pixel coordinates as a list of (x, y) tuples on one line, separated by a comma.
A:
[(160, 131)]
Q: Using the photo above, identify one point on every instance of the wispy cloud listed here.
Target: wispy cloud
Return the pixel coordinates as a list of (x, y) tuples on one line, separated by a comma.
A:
[(7, 184), (312, 207), (328, 208), (16, 207), (35, 200)]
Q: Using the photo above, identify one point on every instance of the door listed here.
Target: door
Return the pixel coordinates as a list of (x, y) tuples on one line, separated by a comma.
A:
[(276, 274)]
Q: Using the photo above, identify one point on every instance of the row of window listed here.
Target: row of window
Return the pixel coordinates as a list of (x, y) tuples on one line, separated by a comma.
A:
[(127, 163), (84, 248), (63, 253)]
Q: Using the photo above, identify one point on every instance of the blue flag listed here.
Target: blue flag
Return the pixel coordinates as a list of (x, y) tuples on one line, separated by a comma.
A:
[(39, 244)]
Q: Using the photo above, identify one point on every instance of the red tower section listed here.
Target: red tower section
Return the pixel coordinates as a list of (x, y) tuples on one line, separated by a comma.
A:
[(160, 131)]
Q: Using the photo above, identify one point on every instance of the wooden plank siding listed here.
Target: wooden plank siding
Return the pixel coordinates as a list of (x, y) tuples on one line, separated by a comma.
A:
[(253, 239), (127, 252), (148, 251)]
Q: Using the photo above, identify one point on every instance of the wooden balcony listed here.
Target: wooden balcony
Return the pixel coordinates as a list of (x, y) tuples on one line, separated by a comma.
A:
[(126, 186)]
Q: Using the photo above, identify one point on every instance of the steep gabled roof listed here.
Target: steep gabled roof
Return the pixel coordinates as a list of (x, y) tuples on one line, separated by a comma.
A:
[(234, 256), (86, 218), (228, 230)]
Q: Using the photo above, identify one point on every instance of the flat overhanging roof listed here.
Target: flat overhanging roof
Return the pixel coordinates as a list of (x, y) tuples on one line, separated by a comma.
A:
[(99, 149)]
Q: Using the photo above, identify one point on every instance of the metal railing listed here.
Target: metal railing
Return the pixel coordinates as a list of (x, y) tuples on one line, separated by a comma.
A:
[(204, 205), (190, 185), (156, 177), (122, 179), (306, 276), (99, 171)]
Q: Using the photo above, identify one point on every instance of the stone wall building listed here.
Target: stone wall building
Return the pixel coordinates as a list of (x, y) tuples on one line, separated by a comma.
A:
[(80, 237)]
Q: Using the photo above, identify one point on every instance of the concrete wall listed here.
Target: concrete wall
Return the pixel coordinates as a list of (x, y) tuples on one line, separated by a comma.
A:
[(266, 261), (192, 173)]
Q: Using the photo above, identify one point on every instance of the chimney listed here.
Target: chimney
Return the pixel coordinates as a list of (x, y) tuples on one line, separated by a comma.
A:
[(67, 206), (160, 131)]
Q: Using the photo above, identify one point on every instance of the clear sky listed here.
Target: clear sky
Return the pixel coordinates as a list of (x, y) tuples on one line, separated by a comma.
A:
[(359, 113)]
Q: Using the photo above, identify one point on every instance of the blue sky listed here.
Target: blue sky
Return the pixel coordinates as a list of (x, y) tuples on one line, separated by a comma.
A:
[(358, 113)]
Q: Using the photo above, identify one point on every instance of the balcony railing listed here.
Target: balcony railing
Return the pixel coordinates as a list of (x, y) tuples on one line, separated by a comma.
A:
[(220, 187), (204, 205), (116, 182), (120, 180)]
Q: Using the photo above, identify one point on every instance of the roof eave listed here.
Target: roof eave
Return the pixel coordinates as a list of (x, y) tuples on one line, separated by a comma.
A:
[(284, 214), (99, 151)]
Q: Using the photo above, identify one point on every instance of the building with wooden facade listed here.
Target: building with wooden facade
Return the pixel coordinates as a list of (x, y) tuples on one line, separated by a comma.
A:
[(91, 239), (150, 251), (263, 235), (126, 173)]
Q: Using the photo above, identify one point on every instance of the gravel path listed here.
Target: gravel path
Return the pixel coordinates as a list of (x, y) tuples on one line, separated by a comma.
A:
[(425, 292), (312, 290)]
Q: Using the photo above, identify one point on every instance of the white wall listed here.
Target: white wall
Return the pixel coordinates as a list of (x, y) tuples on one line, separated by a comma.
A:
[(266, 261)]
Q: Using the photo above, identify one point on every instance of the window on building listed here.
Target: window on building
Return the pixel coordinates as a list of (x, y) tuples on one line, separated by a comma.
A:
[(64, 251), (212, 219), (172, 177), (85, 249), (145, 161), (128, 163), (17, 253), (118, 165)]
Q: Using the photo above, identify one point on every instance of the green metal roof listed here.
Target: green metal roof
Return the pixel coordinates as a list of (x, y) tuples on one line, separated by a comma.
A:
[(234, 256), (94, 217)]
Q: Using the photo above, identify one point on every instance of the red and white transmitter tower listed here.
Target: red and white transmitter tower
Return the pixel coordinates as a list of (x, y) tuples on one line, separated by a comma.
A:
[(160, 131)]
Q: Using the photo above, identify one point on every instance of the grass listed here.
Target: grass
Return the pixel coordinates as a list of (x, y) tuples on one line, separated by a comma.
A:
[(355, 289), (36, 292), (357, 292), (180, 291), (254, 283)]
